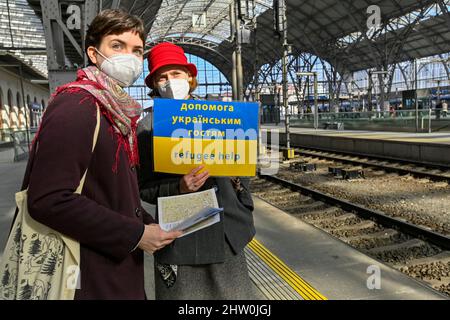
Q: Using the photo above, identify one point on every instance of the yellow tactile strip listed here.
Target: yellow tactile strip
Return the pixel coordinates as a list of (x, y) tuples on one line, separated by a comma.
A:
[(270, 284), (296, 288)]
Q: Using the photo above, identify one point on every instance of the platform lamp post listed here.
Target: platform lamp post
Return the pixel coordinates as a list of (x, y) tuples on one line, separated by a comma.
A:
[(438, 93), (416, 101), (236, 36), (350, 88), (353, 86), (360, 108), (369, 93), (285, 90), (438, 107), (439, 90), (316, 103), (281, 31), (382, 72), (416, 96), (351, 96)]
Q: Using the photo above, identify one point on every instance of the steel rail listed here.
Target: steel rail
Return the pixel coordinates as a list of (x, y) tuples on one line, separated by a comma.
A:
[(438, 239)]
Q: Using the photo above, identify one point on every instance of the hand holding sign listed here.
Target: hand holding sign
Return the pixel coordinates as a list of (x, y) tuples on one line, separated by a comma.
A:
[(192, 182)]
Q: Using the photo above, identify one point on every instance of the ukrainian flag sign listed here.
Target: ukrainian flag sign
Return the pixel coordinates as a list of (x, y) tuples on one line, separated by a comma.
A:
[(223, 136)]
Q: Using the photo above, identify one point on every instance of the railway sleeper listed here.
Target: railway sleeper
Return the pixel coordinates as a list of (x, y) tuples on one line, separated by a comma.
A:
[(339, 222), (403, 247), (279, 198), (272, 192), (308, 208), (364, 227), (384, 234), (327, 213), (299, 199), (377, 239)]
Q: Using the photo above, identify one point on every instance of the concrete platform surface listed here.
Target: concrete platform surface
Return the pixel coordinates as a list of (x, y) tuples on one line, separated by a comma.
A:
[(332, 267)]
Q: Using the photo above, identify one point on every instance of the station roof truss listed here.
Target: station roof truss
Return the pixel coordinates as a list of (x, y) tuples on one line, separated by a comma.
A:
[(335, 31), (22, 40)]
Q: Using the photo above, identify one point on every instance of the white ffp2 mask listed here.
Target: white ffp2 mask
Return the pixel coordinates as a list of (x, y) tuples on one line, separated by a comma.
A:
[(124, 68), (174, 89)]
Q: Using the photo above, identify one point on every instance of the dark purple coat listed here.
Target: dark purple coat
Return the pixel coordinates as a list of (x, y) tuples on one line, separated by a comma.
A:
[(107, 218)]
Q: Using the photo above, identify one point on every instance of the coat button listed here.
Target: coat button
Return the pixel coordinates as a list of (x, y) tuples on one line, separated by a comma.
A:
[(138, 212)]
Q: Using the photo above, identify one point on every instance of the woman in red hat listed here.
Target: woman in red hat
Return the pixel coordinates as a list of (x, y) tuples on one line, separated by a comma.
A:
[(171, 75), (209, 263)]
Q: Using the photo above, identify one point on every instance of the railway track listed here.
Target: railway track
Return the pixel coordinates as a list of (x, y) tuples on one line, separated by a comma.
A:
[(420, 170), (412, 249)]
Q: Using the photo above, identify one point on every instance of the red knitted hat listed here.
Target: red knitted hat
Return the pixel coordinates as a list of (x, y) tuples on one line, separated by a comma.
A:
[(164, 54)]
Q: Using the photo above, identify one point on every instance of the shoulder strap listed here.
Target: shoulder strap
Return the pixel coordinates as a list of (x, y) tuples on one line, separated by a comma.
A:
[(94, 142)]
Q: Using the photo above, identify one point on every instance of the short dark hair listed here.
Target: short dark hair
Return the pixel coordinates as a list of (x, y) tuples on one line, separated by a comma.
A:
[(113, 21)]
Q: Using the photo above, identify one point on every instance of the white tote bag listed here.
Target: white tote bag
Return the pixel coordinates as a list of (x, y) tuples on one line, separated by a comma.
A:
[(38, 262)]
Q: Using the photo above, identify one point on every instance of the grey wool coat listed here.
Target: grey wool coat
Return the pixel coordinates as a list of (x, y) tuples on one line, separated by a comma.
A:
[(205, 246)]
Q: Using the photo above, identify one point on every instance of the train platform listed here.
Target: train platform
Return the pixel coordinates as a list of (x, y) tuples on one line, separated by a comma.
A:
[(318, 266), (287, 260), (433, 148)]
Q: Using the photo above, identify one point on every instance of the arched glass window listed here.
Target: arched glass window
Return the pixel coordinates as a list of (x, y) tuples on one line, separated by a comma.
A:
[(211, 81)]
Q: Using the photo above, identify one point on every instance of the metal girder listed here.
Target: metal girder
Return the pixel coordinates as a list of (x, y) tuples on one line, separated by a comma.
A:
[(220, 17), (65, 48), (173, 21), (205, 9), (115, 4), (204, 49), (445, 12), (219, 56), (326, 44), (65, 45), (189, 40), (332, 30)]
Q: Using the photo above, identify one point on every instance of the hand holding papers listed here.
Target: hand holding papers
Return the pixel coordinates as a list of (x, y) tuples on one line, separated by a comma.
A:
[(190, 212)]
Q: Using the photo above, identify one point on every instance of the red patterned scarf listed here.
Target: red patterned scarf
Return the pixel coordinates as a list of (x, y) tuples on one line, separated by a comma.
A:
[(120, 109)]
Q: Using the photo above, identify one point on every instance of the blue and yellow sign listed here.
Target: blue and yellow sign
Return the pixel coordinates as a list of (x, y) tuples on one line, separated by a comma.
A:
[(223, 136)]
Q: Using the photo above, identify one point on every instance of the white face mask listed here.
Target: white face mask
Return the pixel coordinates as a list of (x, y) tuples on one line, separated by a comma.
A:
[(124, 68), (174, 89)]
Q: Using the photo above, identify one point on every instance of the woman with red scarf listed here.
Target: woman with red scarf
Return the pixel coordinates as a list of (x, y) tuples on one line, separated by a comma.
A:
[(107, 218)]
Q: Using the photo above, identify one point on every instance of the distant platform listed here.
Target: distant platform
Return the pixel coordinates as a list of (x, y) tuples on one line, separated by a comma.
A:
[(431, 148)]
